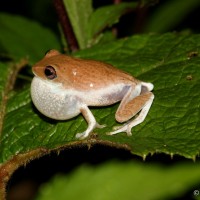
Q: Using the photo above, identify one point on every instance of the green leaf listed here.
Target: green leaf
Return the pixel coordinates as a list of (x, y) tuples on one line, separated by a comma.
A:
[(106, 16), (167, 16), (21, 38), (6, 73), (170, 61), (128, 180), (79, 12)]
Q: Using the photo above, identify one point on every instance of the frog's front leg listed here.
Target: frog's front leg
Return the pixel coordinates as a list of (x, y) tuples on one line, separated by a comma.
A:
[(137, 99), (92, 124)]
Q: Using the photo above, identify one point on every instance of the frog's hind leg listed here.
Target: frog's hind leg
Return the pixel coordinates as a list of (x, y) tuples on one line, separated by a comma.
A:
[(129, 108)]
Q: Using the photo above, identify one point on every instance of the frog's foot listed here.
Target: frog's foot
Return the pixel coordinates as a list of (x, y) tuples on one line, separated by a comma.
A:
[(92, 124), (119, 129), (90, 128), (82, 135), (100, 125)]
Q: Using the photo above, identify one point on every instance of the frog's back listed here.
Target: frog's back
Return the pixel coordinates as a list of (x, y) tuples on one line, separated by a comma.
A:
[(80, 74), (97, 74)]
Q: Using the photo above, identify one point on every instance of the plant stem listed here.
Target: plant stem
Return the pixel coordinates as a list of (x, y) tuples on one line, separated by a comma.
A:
[(141, 14), (66, 25), (114, 29), (117, 1)]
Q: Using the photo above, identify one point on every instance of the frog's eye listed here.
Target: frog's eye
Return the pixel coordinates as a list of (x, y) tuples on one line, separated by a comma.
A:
[(50, 72)]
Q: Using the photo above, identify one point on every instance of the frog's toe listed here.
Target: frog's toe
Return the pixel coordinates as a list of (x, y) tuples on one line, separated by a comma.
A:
[(100, 125), (121, 129), (86, 133), (81, 136), (128, 131), (118, 129)]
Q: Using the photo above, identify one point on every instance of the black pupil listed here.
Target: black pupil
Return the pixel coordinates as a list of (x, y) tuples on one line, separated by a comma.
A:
[(50, 72)]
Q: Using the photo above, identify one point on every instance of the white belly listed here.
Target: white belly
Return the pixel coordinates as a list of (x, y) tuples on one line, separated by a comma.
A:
[(53, 101)]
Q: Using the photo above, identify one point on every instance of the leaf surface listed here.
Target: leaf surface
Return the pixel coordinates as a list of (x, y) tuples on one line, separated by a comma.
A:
[(79, 12), (128, 180), (106, 16), (20, 38), (170, 61), (161, 21)]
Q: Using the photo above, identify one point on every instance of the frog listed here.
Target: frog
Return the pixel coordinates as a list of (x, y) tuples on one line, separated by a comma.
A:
[(64, 87)]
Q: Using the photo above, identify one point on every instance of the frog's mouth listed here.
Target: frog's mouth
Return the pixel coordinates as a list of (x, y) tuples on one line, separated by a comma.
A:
[(34, 73)]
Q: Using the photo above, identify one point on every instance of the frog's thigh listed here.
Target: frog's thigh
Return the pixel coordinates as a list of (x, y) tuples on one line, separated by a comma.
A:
[(129, 109), (144, 111)]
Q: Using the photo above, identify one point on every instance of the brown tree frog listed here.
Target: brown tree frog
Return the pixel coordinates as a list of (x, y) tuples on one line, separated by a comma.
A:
[(64, 86)]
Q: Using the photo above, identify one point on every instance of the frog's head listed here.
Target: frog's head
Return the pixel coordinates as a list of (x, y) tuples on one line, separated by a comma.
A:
[(54, 67), (48, 67)]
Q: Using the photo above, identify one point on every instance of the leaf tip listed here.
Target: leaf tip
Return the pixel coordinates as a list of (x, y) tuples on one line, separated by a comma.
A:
[(194, 158), (144, 157)]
